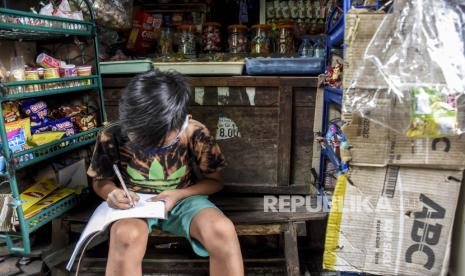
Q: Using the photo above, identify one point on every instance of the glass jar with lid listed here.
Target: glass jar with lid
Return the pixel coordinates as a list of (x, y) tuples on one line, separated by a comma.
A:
[(211, 37), (186, 40), (284, 40), (165, 44), (237, 40), (260, 44)]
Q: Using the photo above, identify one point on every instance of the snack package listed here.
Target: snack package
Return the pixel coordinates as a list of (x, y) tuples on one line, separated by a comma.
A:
[(63, 124), (24, 124), (36, 109), (47, 61), (143, 36), (86, 122), (16, 140), (10, 111), (36, 192), (434, 113), (53, 198), (37, 129), (414, 61), (64, 10), (46, 137)]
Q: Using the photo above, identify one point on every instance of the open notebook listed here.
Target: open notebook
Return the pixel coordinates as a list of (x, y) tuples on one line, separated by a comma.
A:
[(105, 215)]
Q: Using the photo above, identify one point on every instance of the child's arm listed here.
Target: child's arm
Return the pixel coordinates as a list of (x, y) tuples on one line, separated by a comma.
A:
[(210, 184)]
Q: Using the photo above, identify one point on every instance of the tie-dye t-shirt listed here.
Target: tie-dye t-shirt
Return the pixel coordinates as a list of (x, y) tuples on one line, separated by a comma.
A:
[(165, 169)]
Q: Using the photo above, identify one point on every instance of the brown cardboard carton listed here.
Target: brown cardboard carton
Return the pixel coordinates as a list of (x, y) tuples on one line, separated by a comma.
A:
[(373, 144), (392, 221)]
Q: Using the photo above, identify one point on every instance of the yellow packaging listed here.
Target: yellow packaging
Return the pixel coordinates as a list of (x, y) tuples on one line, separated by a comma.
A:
[(37, 192), (24, 124), (49, 200), (40, 139)]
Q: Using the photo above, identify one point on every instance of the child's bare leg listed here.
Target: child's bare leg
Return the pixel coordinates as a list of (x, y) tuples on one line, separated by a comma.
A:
[(128, 242), (218, 235)]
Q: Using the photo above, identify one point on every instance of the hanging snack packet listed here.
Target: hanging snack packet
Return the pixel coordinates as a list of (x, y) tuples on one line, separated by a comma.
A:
[(36, 109)]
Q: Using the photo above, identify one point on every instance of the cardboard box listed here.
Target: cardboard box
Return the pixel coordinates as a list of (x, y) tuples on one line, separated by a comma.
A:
[(392, 221), (375, 145)]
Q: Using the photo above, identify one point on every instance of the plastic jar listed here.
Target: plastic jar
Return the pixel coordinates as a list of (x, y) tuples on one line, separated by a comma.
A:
[(211, 37), (284, 40), (260, 43), (186, 40), (237, 39)]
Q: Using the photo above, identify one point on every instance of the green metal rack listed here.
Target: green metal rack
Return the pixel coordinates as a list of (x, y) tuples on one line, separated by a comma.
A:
[(19, 25)]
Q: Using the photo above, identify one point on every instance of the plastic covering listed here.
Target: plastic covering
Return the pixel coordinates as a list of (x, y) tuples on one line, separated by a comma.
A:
[(412, 78)]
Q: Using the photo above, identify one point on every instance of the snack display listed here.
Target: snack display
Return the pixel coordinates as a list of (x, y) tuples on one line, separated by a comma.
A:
[(211, 37), (238, 42), (284, 40), (36, 192), (260, 43)]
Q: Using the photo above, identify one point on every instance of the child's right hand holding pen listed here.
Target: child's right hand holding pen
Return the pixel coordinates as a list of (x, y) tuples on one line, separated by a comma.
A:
[(117, 199)]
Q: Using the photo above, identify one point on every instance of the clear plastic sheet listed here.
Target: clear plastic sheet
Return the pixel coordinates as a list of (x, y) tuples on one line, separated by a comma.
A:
[(412, 78)]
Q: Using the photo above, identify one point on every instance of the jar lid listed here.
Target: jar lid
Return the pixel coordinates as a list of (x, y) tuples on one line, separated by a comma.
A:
[(237, 26), (285, 26), (186, 27), (262, 26), (215, 24)]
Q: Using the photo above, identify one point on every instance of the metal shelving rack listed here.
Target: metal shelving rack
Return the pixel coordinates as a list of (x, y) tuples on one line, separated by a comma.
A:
[(19, 25)]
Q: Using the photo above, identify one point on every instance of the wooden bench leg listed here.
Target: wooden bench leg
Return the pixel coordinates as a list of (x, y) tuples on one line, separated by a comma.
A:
[(291, 251)]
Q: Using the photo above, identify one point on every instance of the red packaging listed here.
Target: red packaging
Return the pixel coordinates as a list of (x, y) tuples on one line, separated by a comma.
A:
[(143, 35), (47, 61)]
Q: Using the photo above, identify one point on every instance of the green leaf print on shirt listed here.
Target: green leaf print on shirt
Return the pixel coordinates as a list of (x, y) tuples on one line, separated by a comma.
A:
[(156, 178)]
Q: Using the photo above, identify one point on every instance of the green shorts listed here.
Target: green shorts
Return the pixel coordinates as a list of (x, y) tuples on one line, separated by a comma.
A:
[(180, 217)]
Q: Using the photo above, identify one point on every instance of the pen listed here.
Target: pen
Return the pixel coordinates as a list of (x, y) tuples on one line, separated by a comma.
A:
[(125, 189)]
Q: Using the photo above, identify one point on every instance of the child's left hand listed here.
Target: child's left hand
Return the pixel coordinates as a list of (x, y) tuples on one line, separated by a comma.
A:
[(170, 197)]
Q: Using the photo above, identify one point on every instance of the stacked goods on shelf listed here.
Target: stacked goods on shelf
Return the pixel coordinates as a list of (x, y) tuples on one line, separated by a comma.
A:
[(393, 212), (35, 128), (35, 125)]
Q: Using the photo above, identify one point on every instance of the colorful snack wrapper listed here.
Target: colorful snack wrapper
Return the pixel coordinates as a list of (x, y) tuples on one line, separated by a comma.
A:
[(40, 129), (10, 111), (63, 124), (36, 109), (24, 124), (46, 137)]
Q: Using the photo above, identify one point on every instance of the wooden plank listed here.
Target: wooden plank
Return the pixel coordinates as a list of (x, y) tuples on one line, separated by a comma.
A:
[(298, 189), (291, 250), (242, 230), (284, 135), (122, 81)]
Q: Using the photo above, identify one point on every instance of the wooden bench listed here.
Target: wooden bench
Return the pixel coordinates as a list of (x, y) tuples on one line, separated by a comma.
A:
[(246, 214)]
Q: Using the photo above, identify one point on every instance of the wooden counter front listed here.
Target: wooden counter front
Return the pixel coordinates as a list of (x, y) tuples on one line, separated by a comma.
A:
[(264, 126)]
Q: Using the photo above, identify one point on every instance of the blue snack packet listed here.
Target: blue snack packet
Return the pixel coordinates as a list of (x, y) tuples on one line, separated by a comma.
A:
[(63, 124), (36, 109), (40, 128)]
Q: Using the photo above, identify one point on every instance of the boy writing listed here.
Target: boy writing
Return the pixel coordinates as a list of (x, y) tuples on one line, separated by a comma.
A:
[(157, 145)]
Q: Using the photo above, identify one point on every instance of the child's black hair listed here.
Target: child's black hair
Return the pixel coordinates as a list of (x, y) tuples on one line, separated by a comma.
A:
[(153, 104)]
